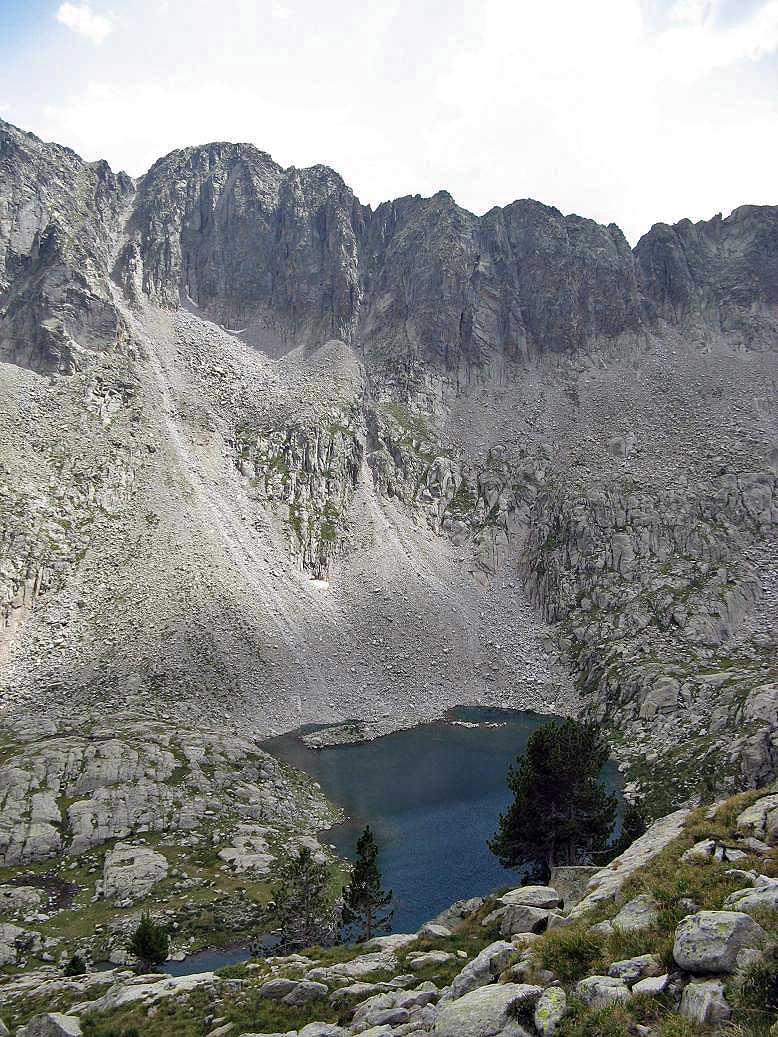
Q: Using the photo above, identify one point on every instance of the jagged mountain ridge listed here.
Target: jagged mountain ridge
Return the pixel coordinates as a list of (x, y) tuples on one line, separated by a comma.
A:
[(272, 452)]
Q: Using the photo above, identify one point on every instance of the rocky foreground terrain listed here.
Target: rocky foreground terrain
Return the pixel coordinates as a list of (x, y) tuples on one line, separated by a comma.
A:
[(269, 457), (677, 937)]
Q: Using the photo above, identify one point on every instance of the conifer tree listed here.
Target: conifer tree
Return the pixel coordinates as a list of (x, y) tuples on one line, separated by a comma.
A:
[(561, 813), (303, 907), (149, 943), (364, 901)]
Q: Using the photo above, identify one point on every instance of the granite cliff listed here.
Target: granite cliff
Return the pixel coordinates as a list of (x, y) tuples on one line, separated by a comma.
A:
[(271, 456)]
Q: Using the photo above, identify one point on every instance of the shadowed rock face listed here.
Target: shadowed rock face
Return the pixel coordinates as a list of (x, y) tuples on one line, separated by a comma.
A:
[(312, 460)]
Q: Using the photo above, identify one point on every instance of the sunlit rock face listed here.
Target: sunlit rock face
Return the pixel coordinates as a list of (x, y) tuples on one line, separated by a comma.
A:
[(268, 455)]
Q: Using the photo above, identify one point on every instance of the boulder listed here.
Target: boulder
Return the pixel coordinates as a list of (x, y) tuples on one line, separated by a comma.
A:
[(131, 872), (652, 985), (392, 942), (532, 896), (639, 913), (393, 1009), (710, 941), (322, 1030), (630, 970), (423, 959), (549, 1011), (51, 1024), (750, 900), (520, 918), (485, 967), (712, 849), (760, 819), (704, 1003), (433, 931), (458, 911), (599, 991), (293, 992), (488, 1011)]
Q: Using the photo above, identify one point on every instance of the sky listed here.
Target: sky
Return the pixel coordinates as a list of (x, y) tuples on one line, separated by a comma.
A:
[(625, 111)]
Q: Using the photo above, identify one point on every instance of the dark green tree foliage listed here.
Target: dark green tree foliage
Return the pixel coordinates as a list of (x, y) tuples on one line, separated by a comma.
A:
[(75, 967), (561, 812), (364, 901), (149, 943), (303, 908)]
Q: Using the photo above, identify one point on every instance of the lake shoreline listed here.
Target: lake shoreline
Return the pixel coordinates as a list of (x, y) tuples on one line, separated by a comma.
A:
[(361, 732)]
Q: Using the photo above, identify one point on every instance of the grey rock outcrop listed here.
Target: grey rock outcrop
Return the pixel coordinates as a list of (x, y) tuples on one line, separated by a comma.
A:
[(710, 941), (131, 872), (245, 415)]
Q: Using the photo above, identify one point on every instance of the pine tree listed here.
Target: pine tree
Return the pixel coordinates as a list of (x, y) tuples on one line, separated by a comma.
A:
[(302, 907), (561, 812), (149, 943), (364, 900)]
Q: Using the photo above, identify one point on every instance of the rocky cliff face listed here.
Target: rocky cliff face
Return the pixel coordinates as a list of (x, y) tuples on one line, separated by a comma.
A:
[(267, 451)]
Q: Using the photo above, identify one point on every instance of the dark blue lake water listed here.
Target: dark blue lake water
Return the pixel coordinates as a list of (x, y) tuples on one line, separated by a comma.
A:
[(433, 796)]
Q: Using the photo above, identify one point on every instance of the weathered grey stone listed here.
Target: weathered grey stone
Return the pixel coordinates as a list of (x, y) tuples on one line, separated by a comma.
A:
[(599, 991), (550, 1010), (52, 1024), (704, 1003), (293, 991), (639, 913), (712, 849), (710, 941), (488, 1011), (532, 896), (653, 986), (750, 900), (630, 970), (131, 872), (518, 918), (760, 819), (485, 967), (433, 931)]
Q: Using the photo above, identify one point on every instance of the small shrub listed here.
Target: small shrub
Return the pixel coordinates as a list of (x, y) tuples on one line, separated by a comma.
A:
[(75, 967), (149, 943)]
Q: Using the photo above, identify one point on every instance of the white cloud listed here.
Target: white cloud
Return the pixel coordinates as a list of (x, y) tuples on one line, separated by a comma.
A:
[(83, 20), (595, 108)]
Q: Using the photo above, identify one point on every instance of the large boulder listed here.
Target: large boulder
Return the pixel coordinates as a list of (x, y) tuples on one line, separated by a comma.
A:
[(293, 992), (520, 918), (489, 1011), (710, 941), (532, 896), (131, 872), (52, 1024), (485, 967), (704, 1003)]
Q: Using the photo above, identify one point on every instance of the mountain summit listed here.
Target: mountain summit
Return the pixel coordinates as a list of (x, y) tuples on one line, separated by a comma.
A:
[(269, 456)]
